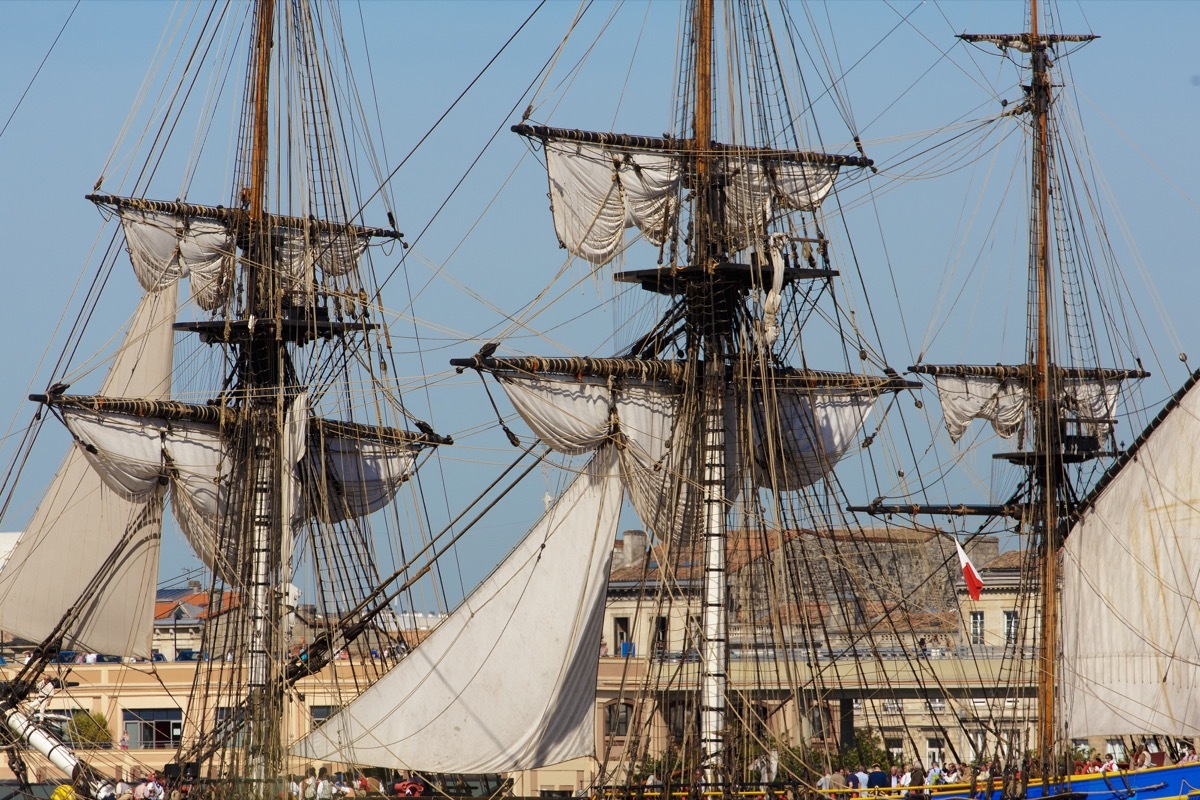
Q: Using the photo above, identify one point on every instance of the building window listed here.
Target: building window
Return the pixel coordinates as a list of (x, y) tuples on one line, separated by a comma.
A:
[(227, 723), (976, 627), (893, 706), (895, 747), (616, 719), (660, 634), (933, 751), (321, 713), (622, 636), (682, 718), (976, 745), (1012, 624), (153, 728), (937, 704)]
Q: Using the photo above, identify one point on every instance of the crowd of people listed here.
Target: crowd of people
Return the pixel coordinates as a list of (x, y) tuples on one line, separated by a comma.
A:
[(860, 783), (321, 785)]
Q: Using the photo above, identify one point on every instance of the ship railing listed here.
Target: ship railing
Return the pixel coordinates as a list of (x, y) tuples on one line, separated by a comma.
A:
[(792, 791), (810, 655)]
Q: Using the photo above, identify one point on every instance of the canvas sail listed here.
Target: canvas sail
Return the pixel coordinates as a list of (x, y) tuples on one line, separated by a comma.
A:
[(503, 684), (78, 507), (139, 457), (1131, 571), (597, 192)]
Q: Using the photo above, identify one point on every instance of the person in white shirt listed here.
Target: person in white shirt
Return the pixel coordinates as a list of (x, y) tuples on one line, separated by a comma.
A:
[(1110, 765)]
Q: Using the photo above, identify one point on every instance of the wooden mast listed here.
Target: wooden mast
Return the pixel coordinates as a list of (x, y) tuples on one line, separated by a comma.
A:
[(262, 375), (1046, 423), (704, 311)]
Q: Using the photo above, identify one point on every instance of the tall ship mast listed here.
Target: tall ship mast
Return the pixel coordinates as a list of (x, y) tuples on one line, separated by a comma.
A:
[(703, 603), (270, 460)]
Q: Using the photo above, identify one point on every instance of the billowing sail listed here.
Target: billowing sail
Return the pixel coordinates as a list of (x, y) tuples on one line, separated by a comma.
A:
[(79, 508), (508, 681), (1131, 568), (1004, 401), (599, 191), (656, 429), (807, 433), (139, 457), (165, 247)]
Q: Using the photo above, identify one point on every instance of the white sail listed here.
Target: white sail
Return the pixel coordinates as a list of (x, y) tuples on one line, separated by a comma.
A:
[(164, 248), (814, 429), (347, 477), (1001, 402), (299, 254), (596, 193), (756, 193), (1131, 568), (1005, 401), (138, 457), (79, 507), (570, 416), (809, 434), (507, 682)]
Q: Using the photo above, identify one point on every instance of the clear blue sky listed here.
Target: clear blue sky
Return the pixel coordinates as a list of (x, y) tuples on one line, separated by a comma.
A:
[(1138, 89)]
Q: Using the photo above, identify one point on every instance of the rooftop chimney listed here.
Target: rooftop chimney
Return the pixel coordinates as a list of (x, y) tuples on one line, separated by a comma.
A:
[(634, 548)]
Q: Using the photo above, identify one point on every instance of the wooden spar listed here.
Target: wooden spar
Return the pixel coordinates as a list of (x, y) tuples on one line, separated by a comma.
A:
[(685, 146), (238, 219), (680, 372), (176, 411)]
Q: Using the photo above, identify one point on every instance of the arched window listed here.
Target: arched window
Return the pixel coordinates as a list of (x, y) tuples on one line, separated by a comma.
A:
[(616, 719)]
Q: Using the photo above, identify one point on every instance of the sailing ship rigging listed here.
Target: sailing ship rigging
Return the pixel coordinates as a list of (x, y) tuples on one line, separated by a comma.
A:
[(719, 423)]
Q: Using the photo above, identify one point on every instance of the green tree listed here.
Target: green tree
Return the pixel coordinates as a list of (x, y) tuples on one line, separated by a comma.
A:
[(89, 730), (867, 749)]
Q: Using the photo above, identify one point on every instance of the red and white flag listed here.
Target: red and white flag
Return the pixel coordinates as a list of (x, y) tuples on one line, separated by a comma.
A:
[(970, 574)]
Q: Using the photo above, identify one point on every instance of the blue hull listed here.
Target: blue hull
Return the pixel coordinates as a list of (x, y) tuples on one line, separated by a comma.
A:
[(1159, 783)]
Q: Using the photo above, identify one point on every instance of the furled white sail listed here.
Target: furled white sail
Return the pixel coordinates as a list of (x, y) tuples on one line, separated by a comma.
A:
[(659, 446), (501, 685), (138, 457), (1001, 402), (79, 520), (570, 416), (347, 478), (597, 192), (298, 254), (164, 248), (814, 431), (1005, 401), (1093, 402), (756, 193), (1131, 586)]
